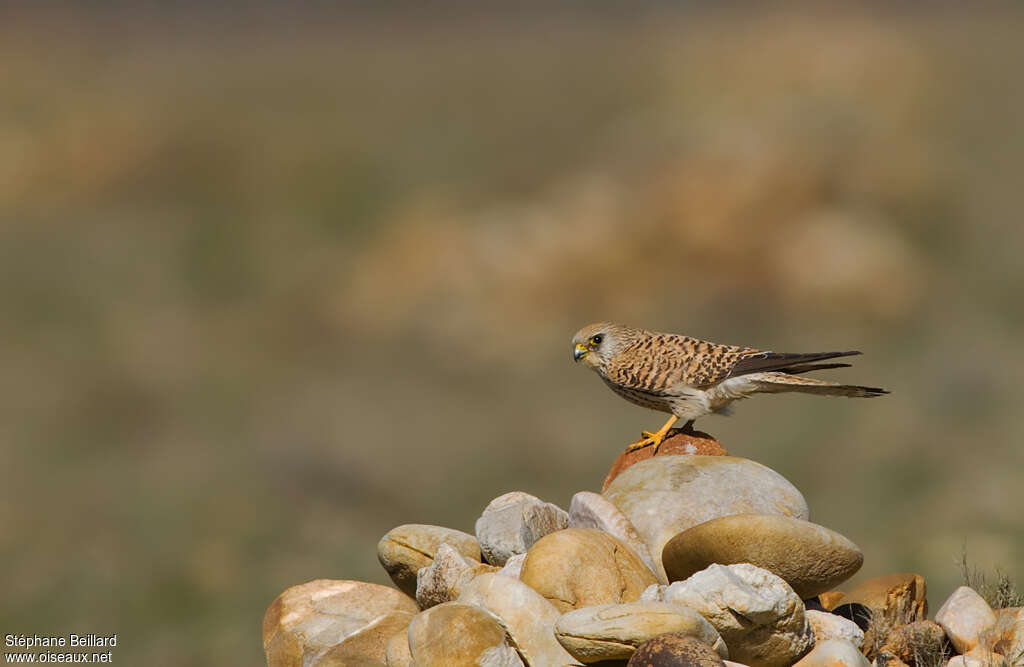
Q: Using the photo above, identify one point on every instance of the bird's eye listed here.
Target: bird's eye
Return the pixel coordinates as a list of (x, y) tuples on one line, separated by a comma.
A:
[(596, 340)]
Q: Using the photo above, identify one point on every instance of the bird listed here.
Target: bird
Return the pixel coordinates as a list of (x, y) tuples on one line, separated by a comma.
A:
[(690, 378)]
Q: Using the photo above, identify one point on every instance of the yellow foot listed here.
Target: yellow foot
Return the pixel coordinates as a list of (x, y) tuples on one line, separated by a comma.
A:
[(648, 438)]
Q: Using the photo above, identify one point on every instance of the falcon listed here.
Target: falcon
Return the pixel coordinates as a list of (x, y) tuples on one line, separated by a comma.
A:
[(689, 378)]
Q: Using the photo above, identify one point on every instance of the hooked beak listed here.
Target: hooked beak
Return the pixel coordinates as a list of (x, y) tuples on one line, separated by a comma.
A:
[(579, 352)]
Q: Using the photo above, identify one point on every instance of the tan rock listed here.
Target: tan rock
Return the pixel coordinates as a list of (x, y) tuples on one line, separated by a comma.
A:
[(592, 510), (831, 599), (406, 549), (987, 657), (454, 634), (758, 615), (811, 558), (966, 618), (833, 653), (613, 631), (440, 581), (890, 601), (1008, 634), (512, 522), (829, 626), (666, 495), (582, 567), (330, 622), (676, 444), (675, 650), (529, 619), (920, 642), (397, 650)]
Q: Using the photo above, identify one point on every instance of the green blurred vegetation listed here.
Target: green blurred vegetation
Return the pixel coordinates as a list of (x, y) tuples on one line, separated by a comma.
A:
[(273, 284)]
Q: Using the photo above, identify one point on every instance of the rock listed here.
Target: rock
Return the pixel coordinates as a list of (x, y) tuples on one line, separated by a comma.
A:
[(406, 549), (882, 603), (677, 443), (965, 617), (529, 619), (833, 653), (675, 650), (440, 581), (513, 567), (331, 622), (454, 633), (885, 659), (582, 567), (397, 650), (917, 643), (1008, 634), (666, 495), (592, 510), (501, 656), (986, 656), (512, 522), (811, 558), (613, 631), (831, 599), (829, 626), (758, 615)]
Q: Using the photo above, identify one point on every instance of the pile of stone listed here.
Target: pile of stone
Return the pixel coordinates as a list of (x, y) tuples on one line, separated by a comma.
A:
[(687, 557)]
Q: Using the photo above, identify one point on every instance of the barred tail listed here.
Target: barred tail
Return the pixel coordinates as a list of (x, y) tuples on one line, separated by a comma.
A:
[(783, 382)]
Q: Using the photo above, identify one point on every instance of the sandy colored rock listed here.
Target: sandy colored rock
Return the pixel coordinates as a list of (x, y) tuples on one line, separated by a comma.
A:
[(1008, 634), (888, 601), (833, 653), (966, 618), (829, 626), (582, 567), (613, 631), (454, 634), (397, 650), (440, 581), (675, 650), (407, 548), (921, 642), (529, 619), (333, 623), (676, 444), (666, 495), (592, 510), (758, 615), (811, 558), (513, 522)]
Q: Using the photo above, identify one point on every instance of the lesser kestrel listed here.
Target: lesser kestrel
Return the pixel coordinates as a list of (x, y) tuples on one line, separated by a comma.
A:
[(689, 378)]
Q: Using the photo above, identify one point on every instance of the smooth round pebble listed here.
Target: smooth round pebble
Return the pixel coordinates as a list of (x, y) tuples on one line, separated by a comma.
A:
[(453, 634)]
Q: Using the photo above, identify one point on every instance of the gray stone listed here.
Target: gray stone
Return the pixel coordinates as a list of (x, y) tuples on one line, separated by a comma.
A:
[(758, 615), (512, 522)]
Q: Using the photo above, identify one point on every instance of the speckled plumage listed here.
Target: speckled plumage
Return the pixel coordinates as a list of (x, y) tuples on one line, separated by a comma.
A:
[(690, 378)]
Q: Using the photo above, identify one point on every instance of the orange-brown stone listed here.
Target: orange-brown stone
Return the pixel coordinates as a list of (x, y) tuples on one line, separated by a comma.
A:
[(679, 442)]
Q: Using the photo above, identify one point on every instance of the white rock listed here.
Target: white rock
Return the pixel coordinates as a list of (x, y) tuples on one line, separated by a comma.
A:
[(758, 615), (965, 616), (440, 581), (512, 522), (592, 510), (513, 567), (830, 626), (833, 653)]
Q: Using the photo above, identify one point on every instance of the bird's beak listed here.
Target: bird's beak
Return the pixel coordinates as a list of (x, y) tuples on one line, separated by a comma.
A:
[(579, 352)]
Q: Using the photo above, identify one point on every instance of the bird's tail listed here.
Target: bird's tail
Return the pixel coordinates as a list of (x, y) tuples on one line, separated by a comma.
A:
[(782, 382)]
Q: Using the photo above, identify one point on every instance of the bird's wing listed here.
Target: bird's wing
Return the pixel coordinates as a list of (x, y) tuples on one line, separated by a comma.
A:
[(659, 362)]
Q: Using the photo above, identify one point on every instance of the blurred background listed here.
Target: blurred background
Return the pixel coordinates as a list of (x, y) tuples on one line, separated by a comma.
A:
[(274, 281)]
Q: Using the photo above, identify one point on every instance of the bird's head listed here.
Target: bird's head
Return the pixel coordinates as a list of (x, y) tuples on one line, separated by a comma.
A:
[(596, 344)]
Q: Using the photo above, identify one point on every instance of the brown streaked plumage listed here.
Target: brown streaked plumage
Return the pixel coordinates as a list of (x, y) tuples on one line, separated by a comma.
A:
[(689, 378)]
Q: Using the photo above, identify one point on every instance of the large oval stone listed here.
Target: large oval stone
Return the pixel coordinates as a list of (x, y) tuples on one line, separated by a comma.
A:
[(666, 495), (811, 558), (613, 631), (331, 622), (406, 549), (582, 567)]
